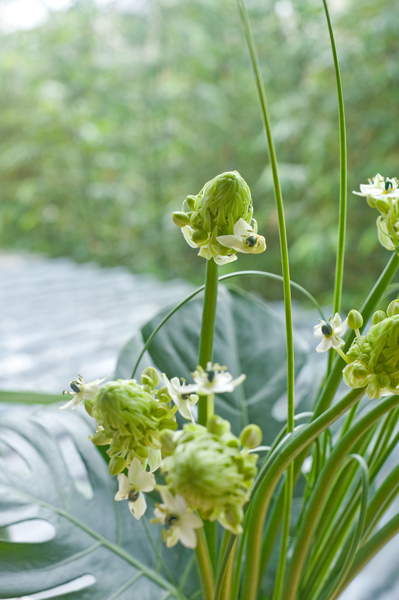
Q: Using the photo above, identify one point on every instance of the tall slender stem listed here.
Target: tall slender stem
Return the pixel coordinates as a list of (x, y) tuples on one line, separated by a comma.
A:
[(286, 287)]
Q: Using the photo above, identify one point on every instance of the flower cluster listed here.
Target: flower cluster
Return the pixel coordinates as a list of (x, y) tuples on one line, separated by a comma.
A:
[(218, 220), (382, 193), (211, 469), (374, 357), (130, 420), (207, 469)]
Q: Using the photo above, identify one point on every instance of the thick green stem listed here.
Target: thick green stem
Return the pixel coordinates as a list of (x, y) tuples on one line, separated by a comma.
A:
[(206, 403), (207, 331), (205, 566)]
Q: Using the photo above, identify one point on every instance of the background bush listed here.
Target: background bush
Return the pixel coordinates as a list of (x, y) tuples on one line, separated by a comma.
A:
[(108, 119)]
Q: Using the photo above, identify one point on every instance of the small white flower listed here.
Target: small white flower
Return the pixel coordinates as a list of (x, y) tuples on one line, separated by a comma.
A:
[(81, 392), (380, 186), (184, 396), (215, 380), (245, 239), (180, 523), (131, 488), (330, 332)]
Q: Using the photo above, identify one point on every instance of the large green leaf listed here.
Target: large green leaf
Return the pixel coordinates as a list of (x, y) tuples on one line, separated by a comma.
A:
[(52, 477), (250, 339)]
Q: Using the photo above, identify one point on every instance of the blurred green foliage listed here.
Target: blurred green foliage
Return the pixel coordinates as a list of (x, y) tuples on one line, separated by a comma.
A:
[(108, 119)]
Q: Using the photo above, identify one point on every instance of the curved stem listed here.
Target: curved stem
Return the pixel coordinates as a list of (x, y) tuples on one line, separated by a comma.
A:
[(269, 479), (309, 523)]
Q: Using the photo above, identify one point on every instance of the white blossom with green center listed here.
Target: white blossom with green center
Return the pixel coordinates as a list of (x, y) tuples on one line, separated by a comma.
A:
[(214, 380), (132, 486), (81, 392), (331, 331), (179, 522), (183, 395), (245, 239)]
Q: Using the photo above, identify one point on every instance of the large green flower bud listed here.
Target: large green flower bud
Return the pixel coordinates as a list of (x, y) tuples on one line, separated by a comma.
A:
[(214, 212), (132, 419), (211, 473), (375, 359)]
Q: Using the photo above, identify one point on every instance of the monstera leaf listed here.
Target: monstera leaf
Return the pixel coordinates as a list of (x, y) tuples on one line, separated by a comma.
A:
[(61, 530), (250, 339)]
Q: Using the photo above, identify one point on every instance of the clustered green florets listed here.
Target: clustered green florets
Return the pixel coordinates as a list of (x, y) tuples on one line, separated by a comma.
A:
[(130, 419), (375, 356), (213, 212), (211, 470)]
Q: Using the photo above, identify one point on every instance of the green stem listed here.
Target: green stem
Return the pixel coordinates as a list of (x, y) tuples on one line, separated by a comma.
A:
[(366, 553), (206, 403), (305, 534), (205, 566), (286, 286), (207, 331), (339, 271), (268, 480)]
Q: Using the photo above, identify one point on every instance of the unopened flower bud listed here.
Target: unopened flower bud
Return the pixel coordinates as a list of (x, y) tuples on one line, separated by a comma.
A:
[(355, 319), (167, 443), (378, 316), (180, 218), (150, 377), (393, 308), (251, 437), (190, 201), (200, 237), (217, 425), (116, 465)]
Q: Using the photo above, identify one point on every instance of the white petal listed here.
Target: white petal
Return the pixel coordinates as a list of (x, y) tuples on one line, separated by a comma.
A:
[(124, 487), (324, 345), (138, 507), (145, 482), (242, 229), (187, 537)]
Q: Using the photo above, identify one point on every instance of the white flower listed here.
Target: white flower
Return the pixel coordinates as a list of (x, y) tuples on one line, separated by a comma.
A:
[(380, 186), (215, 380), (184, 396), (245, 239), (330, 332), (131, 488), (207, 249), (180, 523), (81, 392)]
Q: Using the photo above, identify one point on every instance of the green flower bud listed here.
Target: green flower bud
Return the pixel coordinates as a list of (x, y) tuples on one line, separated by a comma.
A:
[(393, 308), (150, 377), (251, 436), (200, 237), (211, 475), (99, 438), (190, 201), (355, 319), (378, 316), (116, 465), (218, 426), (167, 443), (181, 219), (132, 419)]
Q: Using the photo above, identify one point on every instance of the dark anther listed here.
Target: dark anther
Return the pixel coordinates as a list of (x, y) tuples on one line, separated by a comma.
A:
[(133, 495), (74, 387), (388, 186), (326, 329), (251, 241), (170, 520), (211, 376)]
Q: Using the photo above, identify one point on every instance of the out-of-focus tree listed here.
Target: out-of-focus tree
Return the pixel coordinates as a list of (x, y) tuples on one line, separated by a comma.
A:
[(108, 119)]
